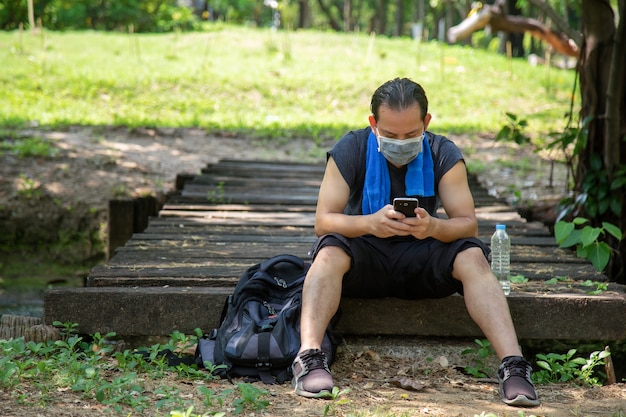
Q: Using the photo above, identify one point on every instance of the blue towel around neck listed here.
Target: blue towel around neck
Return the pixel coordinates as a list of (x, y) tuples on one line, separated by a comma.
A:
[(419, 179)]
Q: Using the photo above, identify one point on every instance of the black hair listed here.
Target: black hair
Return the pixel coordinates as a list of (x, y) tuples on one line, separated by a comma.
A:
[(399, 94)]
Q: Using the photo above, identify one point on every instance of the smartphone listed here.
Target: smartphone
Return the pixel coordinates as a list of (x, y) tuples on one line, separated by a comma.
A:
[(406, 205)]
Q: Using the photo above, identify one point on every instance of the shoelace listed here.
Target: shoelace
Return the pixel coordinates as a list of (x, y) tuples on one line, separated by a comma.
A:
[(516, 367), (314, 360)]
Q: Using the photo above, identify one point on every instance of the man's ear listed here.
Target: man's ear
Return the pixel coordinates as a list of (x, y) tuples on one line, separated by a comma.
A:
[(372, 121), (427, 120)]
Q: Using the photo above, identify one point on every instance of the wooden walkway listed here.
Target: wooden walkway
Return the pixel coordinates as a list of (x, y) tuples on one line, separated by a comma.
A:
[(176, 274)]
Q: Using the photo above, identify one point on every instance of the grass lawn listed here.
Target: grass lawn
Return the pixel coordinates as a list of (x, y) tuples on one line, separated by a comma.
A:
[(273, 84)]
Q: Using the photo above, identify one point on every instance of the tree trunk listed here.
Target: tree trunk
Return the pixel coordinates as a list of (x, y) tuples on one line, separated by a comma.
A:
[(380, 17), (602, 86), (516, 39), (397, 31), (305, 16), (326, 10)]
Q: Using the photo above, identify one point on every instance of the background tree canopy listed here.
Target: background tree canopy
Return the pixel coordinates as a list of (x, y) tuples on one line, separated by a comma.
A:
[(427, 19)]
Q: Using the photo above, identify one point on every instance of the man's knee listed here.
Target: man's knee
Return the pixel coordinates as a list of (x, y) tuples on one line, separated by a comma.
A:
[(470, 262), (332, 257)]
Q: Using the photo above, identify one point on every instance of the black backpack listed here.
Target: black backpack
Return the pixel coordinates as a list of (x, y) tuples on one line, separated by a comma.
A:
[(259, 334)]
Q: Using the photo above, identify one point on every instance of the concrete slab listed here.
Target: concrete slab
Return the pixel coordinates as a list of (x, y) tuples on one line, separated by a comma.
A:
[(160, 311)]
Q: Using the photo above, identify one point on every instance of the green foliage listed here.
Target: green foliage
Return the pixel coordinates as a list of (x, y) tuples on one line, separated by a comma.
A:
[(479, 367), (570, 141), (31, 147), (330, 408), (143, 15), (587, 240), (567, 368), (189, 413), (513, 130), (600, 192), (518, 279), (251, 398), (218, 194), (600, 287), (29, 188), (118, 380)]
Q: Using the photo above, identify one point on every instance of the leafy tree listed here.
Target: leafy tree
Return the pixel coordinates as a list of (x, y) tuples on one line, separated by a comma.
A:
[(601, 169), (143, 15)]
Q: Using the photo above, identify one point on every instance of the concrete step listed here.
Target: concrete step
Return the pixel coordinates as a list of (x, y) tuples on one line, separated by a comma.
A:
[(149, 311)]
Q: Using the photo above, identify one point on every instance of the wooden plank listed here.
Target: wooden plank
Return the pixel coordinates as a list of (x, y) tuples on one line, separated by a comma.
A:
[(181, 225), (257, 182), (121, 223), (197, 274), (245, 218), (191, 243), (258, 197)]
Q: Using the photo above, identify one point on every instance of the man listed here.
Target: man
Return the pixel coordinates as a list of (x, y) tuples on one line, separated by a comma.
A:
[(367, 249)]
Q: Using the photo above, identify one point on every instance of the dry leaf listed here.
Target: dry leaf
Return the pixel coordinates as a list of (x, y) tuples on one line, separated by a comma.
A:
[(407, 384), (443, 361)]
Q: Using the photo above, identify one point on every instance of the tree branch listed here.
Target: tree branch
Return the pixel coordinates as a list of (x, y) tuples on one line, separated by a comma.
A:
[(560, 23), (495, 17)]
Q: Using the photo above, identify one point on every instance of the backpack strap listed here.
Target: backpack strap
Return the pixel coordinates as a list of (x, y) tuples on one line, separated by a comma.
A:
[(264, 365), (292, 259)]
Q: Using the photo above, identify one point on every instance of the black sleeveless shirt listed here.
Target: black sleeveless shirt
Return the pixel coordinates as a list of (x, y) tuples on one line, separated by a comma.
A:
[(349, 154)]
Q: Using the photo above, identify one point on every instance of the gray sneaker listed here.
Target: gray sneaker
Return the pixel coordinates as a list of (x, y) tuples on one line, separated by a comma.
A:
[(311, 375), (516, 387)]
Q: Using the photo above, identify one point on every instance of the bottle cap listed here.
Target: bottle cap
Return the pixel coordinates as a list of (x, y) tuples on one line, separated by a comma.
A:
[(500, 226)]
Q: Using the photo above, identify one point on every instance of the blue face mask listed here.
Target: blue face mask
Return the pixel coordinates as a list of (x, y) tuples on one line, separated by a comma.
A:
[(400, 151)]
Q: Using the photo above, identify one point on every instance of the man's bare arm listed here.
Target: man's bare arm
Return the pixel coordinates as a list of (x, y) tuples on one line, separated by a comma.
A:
[(333, 198)]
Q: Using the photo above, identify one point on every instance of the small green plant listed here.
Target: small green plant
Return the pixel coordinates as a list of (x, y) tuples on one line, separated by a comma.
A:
[(29, 188), (211, 397), (557, 367), (218, 195), (189, 413), (251, 398), (587, 240), (518, 279), (335, 400), (600, 286), (479, 367), (555, 280)]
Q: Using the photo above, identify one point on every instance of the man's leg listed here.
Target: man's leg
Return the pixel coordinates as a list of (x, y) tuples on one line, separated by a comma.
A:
[(487, 305), (320, 300), (321, 294), (486, 302)]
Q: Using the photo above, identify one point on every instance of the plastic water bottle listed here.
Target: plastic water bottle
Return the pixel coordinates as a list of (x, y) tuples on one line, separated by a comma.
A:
[(501, 257)]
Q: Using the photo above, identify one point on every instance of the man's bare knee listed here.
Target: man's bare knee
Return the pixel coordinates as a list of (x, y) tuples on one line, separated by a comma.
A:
[(332, 257), (470, 262)]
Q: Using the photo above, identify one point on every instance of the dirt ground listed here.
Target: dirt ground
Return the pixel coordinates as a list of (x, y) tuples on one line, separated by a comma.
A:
[(94, 165)]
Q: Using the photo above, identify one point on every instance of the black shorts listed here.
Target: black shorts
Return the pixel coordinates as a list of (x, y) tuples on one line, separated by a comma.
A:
[(402, 267)]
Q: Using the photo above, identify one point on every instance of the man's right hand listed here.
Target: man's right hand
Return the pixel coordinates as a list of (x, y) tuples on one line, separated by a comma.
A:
[(386, 223)]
